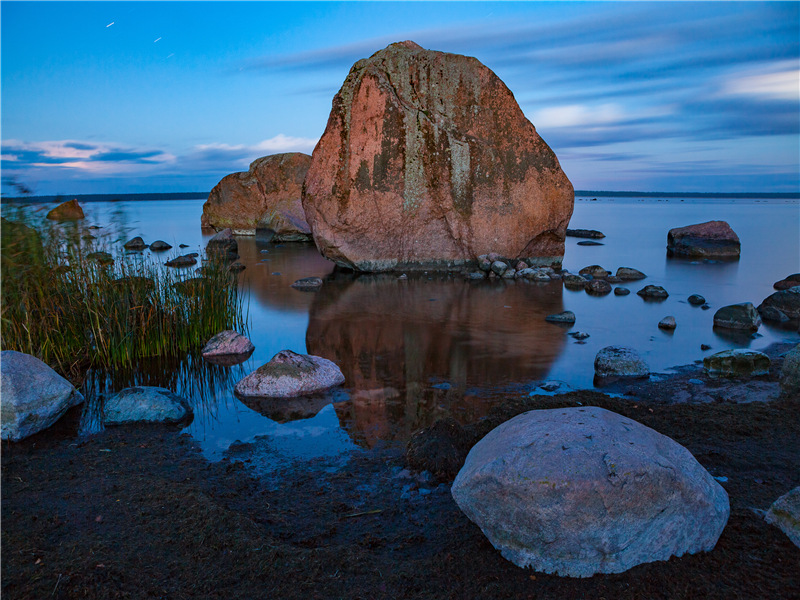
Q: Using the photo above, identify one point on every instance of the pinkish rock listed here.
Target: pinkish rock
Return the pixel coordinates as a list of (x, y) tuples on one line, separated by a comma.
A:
[(289, 375), (67, 211), (713, 239), (228, 347), (427, 162), (265, 197)]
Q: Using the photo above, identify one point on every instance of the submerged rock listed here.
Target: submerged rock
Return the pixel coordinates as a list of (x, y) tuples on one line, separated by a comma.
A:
[(738, 316), (267, 197), (289, 374), (34, 395), (736, 363), (785, 515), (310, 284), (67, 211), (713, 239), (590, 243), (618, 361), (228, 347), (145, 404), (579, 491), (428, 162)]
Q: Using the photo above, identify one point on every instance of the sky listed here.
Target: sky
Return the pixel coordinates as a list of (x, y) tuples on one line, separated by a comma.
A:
[(127, 97)]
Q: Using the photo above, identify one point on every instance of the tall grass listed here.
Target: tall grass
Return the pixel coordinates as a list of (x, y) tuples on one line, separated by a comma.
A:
[(75, 312)]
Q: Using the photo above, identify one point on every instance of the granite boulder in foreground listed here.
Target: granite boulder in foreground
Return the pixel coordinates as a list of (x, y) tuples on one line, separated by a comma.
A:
[(267, 196), (288, 375), (785, 515), (34, 395), (579, 491), (145, 404), (713, 239), (428, 162)]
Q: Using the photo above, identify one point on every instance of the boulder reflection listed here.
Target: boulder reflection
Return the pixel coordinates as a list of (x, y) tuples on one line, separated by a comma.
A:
[(414, 350)]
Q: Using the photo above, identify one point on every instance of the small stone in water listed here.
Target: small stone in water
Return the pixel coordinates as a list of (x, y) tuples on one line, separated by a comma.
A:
[(705, 347), (696, 300), (621, 291)]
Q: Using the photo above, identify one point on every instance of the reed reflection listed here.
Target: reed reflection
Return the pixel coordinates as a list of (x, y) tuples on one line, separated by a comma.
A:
[(414, 350)]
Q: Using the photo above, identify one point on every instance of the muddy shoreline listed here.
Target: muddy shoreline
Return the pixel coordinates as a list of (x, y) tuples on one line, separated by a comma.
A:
[(137, 512)]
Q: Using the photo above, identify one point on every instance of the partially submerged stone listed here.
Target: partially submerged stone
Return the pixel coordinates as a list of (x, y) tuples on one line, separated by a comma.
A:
[(34, 395), (289, 374), (266, 197), (736, 363), (160, 246), (145, 404), (696, 300), (786, 301), (574, 282), (579, 491), (785, 515), (67, 211), (713, 239), (585, 233), (619, 361), (653, 292), (136, 243), (787, 282), (630, 274), (308, 284), (667, 323), (228, 347), (223, 246), (184, 260), (598, 287), (741, 316), (595, 271), (427, 162)]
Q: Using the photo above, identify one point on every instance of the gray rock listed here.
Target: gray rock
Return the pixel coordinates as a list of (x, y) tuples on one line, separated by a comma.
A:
[(785, 515), (790, 374), (574, 282), (786, 301), (563, 317), (599, 287), (510, 273), (476, 275), (34, 395), (772, 314), (618, 361), (696, 300), (579, 491), (181, 261), (550, 386), (595, 271), (667, 323), (136, 243), (308, 284), (653, 292), (585, 233), (289, 374), (738, 316), (160, 246), (499, 267), (630, 274), (484, 264), (621, 291), (145, 404), (229, 347), (736, 363)]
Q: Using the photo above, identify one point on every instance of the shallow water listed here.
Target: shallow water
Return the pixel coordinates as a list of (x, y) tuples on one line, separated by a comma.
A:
[(433, 345)]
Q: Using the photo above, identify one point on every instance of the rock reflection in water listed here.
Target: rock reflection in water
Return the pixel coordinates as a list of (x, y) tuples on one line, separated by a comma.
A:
[(284, 410), (414, 350)]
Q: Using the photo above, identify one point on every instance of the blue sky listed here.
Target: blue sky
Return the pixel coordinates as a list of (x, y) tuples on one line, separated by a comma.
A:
[(147, 96)]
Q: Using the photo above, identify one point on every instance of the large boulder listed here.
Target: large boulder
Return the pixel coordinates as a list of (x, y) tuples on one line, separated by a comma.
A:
[(713, 239), (785, 301), (145, 404), (785, 514), (67, 211), (579, 491), (428, 162), (267, 196), (736, 363), (34, 395), (289, 374), (738, 316), (618, 361), (790, 374)]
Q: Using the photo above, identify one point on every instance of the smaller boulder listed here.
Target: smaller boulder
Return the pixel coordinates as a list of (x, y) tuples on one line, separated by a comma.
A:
[(136, 243), (653, 292), (159, 246), (563, 317), (786, 301), (630, 274), (228, 347), (67, 211), (574, 282), (785, 515), (787, 282), (598, 287), (736, 363), (595, 271), (713, 239), (738, 316), (289, 374), (790, 374), (312, 284), (667, 323), (145, 404), (499, 267), (618, 361)]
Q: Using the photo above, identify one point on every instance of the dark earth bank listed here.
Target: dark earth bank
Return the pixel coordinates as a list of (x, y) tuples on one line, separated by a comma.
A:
[(137, 512)]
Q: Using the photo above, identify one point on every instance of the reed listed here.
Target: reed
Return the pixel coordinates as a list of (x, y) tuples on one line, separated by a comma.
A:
[(64, 302)]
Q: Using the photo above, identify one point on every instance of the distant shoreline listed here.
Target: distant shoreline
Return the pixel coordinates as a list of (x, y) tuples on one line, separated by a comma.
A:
[(578, 193)]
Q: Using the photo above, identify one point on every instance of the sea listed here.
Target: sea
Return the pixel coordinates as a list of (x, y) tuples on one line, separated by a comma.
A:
[(433, 345)]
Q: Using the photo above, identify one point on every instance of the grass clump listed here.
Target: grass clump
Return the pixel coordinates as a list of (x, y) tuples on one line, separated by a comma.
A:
[(76, 303)]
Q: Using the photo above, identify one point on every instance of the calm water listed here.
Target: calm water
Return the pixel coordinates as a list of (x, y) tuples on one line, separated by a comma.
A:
[(415, 350)]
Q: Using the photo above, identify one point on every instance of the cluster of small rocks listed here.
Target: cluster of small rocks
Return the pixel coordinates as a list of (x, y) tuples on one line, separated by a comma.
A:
[(495, 266)]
